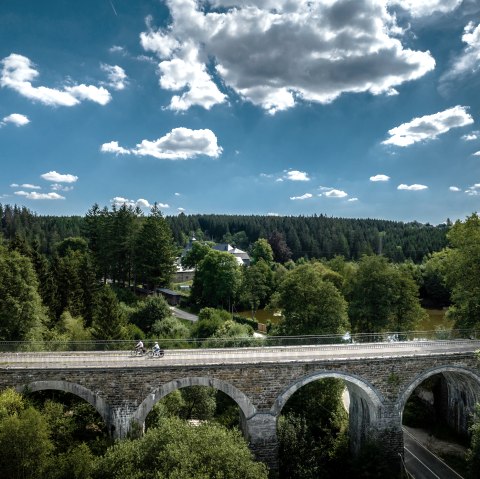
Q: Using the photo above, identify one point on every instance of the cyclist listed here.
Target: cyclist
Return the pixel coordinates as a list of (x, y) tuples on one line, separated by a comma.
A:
[(140, 346), (156, 347)]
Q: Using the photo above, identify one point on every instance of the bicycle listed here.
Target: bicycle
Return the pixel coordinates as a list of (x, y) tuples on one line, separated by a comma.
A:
[(156, 354)]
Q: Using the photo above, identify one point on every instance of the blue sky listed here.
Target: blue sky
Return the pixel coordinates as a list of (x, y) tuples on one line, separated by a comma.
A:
[(349, 108)]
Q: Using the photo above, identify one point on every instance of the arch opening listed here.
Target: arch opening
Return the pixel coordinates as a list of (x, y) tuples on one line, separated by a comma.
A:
[(331, 415), (437, 408)]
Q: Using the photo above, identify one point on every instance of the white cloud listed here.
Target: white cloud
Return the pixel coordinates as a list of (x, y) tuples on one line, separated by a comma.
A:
[(177, 194), (16, 119), (333, 193), (113, 147), (295, 175), (273, 54), (473, 190), (272, 214), (116, 49), (306, 196), (59, 178), (26, 185), (471, 136), (18, 73), (379, 178), (454, 188), (180, 209), (33, 195), (420, 8), (59, 187), (351, 200), (116, 76), (119, 201), (469, 61), (179, 144), (414, 187), (428, 127), (477, 153)]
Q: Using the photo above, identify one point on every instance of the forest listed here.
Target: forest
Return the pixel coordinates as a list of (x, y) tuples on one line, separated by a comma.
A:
[(69, 279)]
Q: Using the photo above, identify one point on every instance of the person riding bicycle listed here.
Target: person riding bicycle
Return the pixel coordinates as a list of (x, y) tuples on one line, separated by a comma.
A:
[(156, 347), (140, 346)]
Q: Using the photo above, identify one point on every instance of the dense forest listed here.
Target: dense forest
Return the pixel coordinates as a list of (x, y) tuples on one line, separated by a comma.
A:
[(303, 236), (66, 280)]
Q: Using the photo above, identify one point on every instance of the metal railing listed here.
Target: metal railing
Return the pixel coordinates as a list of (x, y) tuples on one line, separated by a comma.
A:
[(243, 342)]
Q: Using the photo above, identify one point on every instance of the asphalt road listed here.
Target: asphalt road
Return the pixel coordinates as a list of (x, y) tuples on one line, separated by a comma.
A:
[(423, 464), (178, 313)]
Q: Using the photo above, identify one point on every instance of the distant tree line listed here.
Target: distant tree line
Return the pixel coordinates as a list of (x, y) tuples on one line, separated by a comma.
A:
[(291, 237)]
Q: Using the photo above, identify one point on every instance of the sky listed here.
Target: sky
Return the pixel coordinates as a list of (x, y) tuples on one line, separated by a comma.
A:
[(347, 108)]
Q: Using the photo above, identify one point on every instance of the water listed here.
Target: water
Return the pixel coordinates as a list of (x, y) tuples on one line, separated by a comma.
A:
[(436, 319)]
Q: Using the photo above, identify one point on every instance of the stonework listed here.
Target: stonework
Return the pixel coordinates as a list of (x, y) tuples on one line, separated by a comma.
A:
[(378, 387)]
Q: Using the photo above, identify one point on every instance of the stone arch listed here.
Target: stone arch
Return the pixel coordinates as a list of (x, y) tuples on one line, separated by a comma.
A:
[(365, 408), (462, 387), (96, 401), (354, 383), (246, 407)]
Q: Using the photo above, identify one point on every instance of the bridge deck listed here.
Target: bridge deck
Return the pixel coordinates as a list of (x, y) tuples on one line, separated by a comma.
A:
[(283, 354)]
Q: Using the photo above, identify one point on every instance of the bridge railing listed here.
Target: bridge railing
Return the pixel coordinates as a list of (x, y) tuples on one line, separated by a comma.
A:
[(240, 342)]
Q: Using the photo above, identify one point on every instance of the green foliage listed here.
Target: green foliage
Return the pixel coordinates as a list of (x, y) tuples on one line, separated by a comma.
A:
[(383, 297), (261, 249), (312, 431), (310, 304), (25, 445), (257, 284), (22, 314), (177, 450), (463, 272), (217, 280), (149, 311), (473, 454), (170, 328), (108, 320), (11, 403), (155, 251), (434, 272), (195, 254)]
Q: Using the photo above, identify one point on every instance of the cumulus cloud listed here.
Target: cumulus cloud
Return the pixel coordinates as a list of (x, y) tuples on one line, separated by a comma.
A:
[(477, 153), (113, 147), (428, 127), (60, 187), (59, 178), (119, 201), (18, 72), (33, 195), (420, 8), (454, 189), (379, 178), (177, 194), (473, 190), (351, 200), (26, 185), (179, 144), (117, 78), (116, 49), (273, 54), (180, 209), (16, 119), (306, 196), (272, 214), (471, 136), (333, 193), (469, 61), (295, 175), (414, 187)]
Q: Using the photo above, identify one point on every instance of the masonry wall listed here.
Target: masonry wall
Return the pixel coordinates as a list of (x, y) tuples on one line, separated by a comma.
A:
[(382, 386)]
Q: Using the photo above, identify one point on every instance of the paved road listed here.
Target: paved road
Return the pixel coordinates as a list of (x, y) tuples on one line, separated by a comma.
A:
[(423, 464), (257, 355), (183, 314)]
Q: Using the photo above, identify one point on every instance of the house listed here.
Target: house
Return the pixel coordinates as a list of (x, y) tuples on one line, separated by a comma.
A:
[(173, 297), (243, 257)]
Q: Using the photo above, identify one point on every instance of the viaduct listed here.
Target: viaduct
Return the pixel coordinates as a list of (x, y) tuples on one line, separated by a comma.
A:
[(380, 378)]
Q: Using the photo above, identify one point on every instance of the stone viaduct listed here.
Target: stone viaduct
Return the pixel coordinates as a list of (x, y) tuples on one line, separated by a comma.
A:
[(380, 378)]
